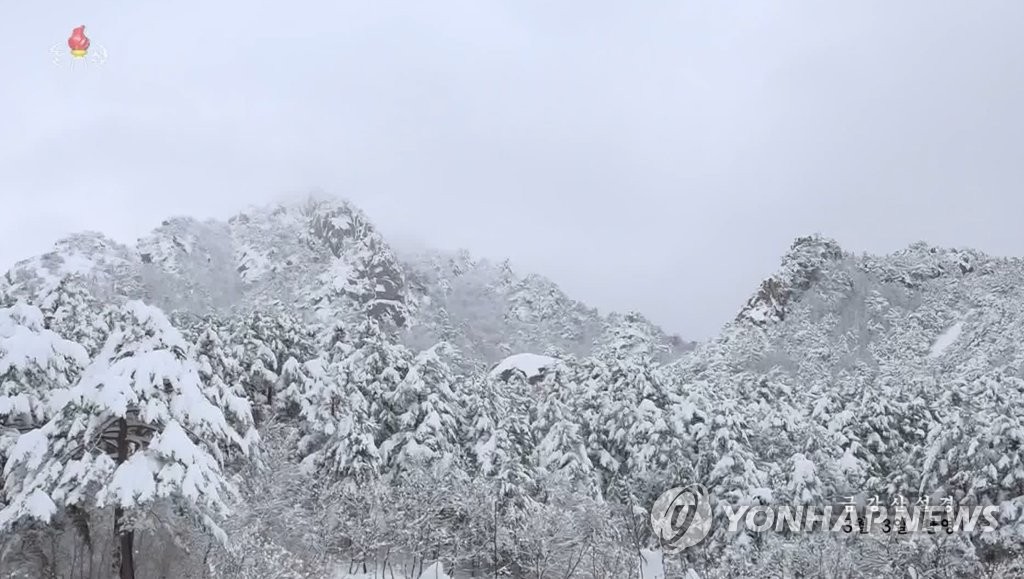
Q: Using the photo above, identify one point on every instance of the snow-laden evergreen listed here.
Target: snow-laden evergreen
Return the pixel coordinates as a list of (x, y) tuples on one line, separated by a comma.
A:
[(223, 372), (138, 427), (37, 366), (422, 415)]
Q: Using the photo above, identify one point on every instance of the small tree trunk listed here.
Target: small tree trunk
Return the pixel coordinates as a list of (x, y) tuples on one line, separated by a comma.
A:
[(125, 558), (495, 537), (124, 546), (206, 559)]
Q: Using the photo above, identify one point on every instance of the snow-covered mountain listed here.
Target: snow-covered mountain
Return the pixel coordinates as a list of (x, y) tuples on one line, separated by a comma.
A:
[(491, 312), (866, 376), (828, 313), (843, 378), (323, 258)]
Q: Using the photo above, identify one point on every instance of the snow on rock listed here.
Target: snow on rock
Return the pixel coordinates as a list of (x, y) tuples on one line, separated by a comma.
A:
[(340, 276), (76, 264), (105, 263), (530, 364), (943, 342), (253, 263)]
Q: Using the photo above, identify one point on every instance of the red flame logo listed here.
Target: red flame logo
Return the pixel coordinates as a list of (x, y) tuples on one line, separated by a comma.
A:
[(78, 40)]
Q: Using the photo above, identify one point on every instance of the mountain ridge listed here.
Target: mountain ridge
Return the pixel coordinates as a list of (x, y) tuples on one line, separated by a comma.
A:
[(887, 311), (324, 257)]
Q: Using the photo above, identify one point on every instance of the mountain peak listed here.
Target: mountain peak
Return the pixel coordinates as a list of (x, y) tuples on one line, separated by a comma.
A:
[(802, 266), (297, 206), (89, 254)]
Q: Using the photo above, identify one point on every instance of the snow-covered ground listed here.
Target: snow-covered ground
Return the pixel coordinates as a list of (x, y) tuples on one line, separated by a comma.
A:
[(652, 566), (435, 571)]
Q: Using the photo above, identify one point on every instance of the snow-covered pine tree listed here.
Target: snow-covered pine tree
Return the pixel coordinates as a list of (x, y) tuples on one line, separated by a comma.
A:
[(295, 380), (737, 476), (561, 452), (293, 337), (479, 429), (500, 447), (269, 339), (629, 402), (312, 396), (422, 419), (629, 336), (223, 373), (891, 422), (36, 368), (974, 455), (138, 428), (73, 311), (514, 403), (256, 335), (349, 453), (313, 391), (341, 399), (377, 365), (593, 405)]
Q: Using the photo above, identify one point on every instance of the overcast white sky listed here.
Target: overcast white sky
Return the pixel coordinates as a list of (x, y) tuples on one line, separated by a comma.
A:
[(657, 156)]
